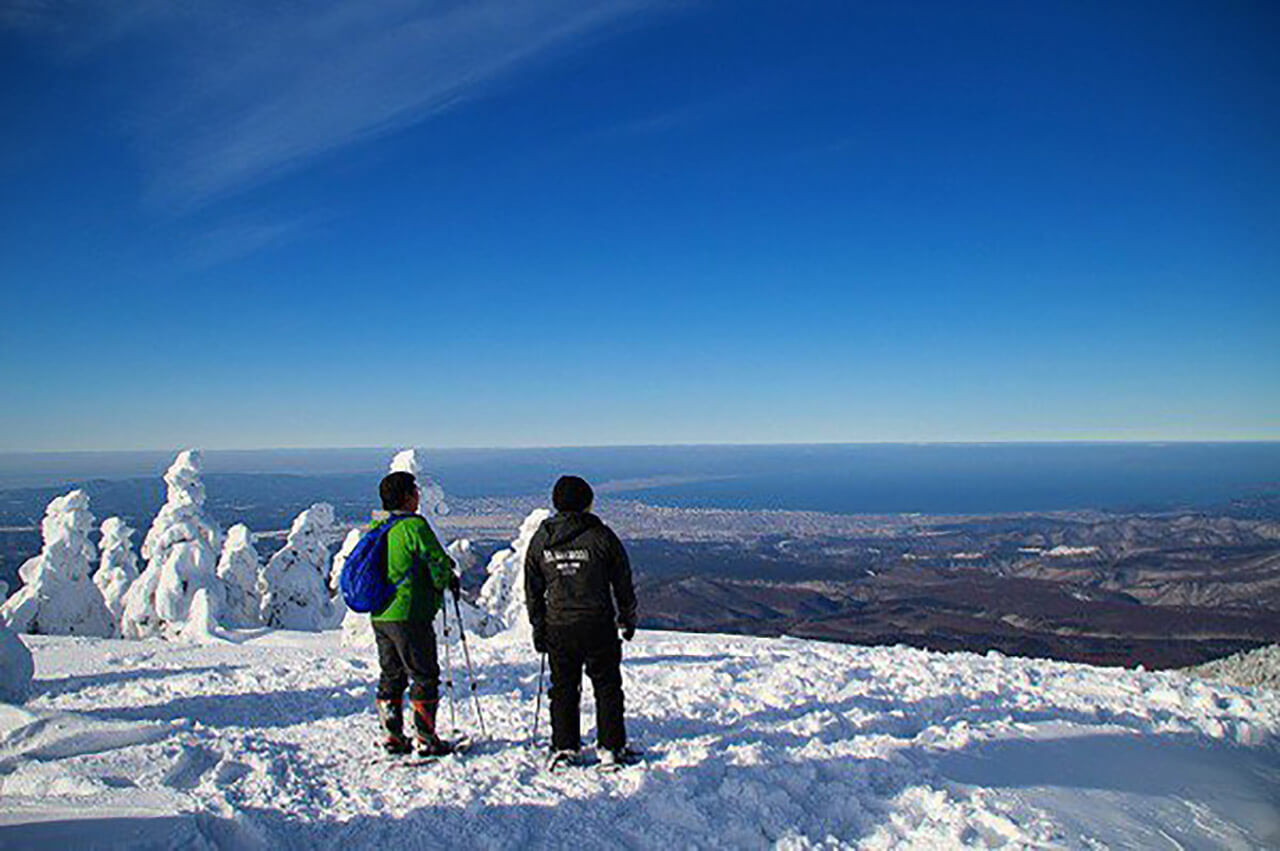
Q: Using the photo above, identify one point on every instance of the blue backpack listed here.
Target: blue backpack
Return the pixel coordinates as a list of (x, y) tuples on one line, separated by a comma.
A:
[(364, 583)]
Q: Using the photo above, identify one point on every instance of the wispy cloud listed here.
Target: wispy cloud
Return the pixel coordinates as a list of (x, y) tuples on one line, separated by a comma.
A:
[(232, 238), (246, 91)]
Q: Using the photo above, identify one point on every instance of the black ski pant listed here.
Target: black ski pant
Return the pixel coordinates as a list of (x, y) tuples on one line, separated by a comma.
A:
[(407, 650), (597, 648)]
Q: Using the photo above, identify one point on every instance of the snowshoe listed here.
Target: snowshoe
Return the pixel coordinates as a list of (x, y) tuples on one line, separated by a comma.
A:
[(443, 747), (432, 752), (397, 746), (618, 759), (563, 760)]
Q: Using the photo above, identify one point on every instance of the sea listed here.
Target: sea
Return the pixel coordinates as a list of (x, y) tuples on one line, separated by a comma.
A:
[(840, 478)]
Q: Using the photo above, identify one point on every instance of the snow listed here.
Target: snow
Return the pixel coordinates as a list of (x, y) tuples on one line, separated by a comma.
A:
[(181, 550), (1064, 551), (1254, 668), (58, 596), (16, 667), (502, 596), (295, 583), (118, 568), (240, 570), (751, 743)]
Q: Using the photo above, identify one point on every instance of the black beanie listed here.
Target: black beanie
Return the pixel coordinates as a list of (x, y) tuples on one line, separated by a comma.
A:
[(572, 493)]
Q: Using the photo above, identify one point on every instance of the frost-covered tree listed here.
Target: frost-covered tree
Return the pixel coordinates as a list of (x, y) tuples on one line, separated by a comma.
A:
[(502, 596), (58, 596), (240, 570), (181, 551), (118, 568), (339, 610), (294, 588), (463, 555), (16, 667)]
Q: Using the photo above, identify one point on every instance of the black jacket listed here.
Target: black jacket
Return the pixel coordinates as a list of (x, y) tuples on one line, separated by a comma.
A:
[(574, 570)]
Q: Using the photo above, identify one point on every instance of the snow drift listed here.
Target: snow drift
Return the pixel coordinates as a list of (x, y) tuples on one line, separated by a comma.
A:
[(16, 667)]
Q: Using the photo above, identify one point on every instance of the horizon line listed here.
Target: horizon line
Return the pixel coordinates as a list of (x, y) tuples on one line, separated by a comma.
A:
[(690, 445)]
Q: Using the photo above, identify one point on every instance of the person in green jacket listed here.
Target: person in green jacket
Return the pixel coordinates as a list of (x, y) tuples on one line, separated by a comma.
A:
[(422, 571)]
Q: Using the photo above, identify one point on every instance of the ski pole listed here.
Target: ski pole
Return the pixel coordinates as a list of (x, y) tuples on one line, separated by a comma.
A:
[(537, 705), (471, 674), (448, 664)]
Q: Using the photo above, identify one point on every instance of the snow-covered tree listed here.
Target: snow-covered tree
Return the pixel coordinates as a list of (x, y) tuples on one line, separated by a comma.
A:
[(339, 611), (502, 597), (118, 568), (432, 502), (294, 588), (240, 570), (58, 596), (463, 555), (181, 551), (16, 667)]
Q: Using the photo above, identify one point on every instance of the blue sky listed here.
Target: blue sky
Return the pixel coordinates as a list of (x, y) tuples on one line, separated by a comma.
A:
[(241, 225)]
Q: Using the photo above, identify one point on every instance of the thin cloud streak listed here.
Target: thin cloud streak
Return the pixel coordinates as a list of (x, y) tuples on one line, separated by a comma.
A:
[(246, 92)]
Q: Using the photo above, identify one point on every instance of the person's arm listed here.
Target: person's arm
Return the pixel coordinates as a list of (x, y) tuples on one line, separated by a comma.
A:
[(429, 553), (535, 587), (620, 580)]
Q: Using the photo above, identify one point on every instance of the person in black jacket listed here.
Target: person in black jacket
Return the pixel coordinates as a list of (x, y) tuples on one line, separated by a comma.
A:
[(574, 571)]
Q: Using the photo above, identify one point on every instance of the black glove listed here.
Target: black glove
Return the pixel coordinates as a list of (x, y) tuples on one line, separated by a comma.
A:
[(455, 585), (540, 640), (628, 631)]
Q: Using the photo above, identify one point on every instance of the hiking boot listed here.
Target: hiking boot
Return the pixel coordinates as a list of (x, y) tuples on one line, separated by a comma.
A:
[(424, 722), (564, 759), (391, 720)]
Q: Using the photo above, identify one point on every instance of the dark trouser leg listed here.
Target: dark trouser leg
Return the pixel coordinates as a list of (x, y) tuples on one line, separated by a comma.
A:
[(604, 667), (393, 679), (420, 658), (566, 689)]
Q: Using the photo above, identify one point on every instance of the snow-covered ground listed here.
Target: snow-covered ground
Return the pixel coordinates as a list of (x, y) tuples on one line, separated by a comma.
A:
[(1255, 668), (751, 743)]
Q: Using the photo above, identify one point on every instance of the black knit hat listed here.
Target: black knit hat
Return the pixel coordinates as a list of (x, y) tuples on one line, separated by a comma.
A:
[(572, 493)]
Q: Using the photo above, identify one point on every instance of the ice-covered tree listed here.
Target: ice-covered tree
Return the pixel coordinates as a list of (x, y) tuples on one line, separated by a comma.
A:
[(294, 588), (181, 551), (119, 565), (502, 596), (463, 555), (432, 502), (58, 596), (240, 570), (339, 609), (16, 667)]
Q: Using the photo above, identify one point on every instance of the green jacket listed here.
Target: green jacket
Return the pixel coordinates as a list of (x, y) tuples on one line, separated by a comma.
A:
[(411, 543)]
